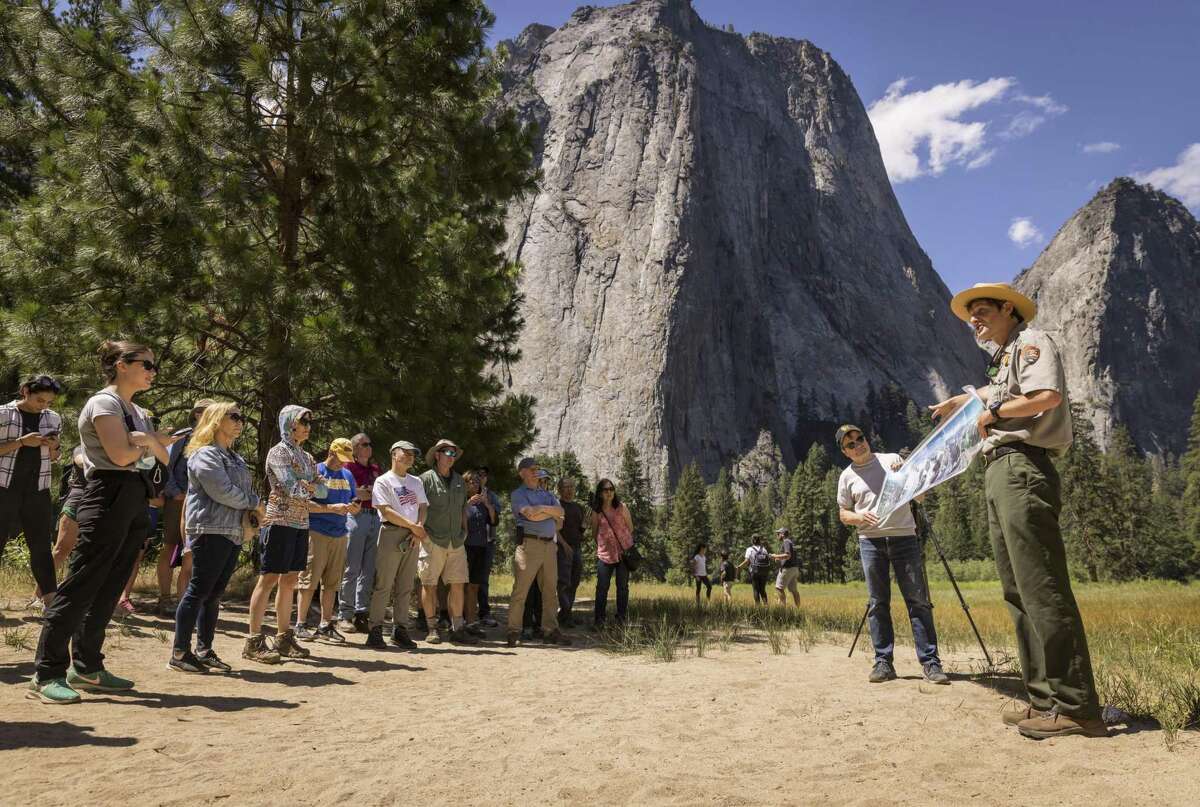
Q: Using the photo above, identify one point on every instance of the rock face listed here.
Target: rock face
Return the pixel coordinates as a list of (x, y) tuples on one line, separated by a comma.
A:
[(1119, 288), (714, 237)]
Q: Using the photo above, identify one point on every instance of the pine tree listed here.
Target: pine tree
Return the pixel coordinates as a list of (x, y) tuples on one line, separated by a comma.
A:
[(722, 512), (950, 523), (1085, 511), (753, 521), (689, 517), (1189, 468), (1126, 482), (292, 202)]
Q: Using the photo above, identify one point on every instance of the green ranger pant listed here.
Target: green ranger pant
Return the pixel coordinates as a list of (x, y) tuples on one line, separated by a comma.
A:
[(1024, 500)]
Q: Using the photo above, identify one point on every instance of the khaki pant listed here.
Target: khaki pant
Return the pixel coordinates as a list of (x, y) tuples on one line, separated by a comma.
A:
[(395, 571), (535, 559), (326, 562)]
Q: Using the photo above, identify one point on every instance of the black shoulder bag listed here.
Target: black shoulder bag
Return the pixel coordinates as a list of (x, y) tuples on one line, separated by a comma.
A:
[(631, 558)]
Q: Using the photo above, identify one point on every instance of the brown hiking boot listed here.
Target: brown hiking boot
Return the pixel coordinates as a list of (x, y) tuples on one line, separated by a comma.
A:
[(1056, 725), (511, 637), (557, 637), (256, 650), (288, 647), (1016, 711)]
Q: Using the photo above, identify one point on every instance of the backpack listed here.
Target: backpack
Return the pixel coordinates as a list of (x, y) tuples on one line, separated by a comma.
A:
[(760, 561)]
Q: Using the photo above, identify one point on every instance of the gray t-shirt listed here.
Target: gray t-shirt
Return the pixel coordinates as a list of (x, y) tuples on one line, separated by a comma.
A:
[(105, 403), (859, 486)]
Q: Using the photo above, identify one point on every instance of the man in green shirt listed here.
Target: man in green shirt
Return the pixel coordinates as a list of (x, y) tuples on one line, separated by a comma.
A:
[(443, 552)]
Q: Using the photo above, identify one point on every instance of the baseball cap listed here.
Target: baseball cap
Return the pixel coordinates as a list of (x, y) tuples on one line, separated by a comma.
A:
[(342, 449), (543, 473), (782, 531), (526, 462), (845, 429), (404, 444)]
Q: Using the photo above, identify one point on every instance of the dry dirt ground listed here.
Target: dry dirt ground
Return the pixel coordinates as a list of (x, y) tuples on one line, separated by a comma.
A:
[(533, 725)]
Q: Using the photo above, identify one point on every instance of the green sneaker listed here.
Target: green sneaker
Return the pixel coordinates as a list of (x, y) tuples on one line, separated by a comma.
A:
[(102, 681), (56, 690)]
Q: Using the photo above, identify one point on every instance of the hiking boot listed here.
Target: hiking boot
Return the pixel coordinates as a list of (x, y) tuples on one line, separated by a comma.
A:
[(345, 626), (328, 633), (256, 649), (557, 637), (934, 673), (1056, 725), (186, 661), (511, 638), (488, 622), (437, 637), (883, 671), (375, 638), (304, 633), (400, 638), (287, 646), (100, 681), (55, 691), (1017, 712), (361, 625), (212, 661), (463, 636)]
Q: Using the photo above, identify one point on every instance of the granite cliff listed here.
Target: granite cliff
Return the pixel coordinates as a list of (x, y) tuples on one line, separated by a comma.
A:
[(714, 239), (1119, 288)]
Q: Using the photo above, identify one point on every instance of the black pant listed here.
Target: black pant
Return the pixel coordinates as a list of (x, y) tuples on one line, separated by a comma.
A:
[(25, 509), (113, 523), (604, 575), (485, 607), (214, 558), (759, 582), (570, 572), (531, 618), (704, 581)]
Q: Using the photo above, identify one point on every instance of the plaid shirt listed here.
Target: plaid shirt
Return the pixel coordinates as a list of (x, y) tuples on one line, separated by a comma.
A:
[(11, 429)]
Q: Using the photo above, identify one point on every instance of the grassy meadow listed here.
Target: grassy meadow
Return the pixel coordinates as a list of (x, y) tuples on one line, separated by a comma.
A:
[(1144, 636)]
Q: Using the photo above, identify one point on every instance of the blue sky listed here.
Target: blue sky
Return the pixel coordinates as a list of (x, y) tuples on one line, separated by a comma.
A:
[(1071, 95)]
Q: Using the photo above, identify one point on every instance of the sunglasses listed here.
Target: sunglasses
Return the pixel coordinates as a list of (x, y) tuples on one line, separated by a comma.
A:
[(449, 452), (307, 421), (608, 490), (854, 443), (237, 417), (149, 366)]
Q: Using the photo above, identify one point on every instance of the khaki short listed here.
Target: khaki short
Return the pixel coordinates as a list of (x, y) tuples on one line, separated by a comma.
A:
[(787, 578), (438, 562), (326, 562)]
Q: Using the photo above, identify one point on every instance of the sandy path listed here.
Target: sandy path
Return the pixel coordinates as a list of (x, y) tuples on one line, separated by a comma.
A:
[(533, 725)]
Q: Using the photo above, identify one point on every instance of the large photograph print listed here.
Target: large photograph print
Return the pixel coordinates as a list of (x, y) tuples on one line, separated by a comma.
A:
[(945, 453)]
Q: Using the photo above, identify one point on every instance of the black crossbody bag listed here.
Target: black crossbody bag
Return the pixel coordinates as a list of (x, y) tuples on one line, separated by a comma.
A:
[(631, 558)]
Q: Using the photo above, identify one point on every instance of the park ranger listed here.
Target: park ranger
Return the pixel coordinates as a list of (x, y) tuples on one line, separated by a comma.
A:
[(1026, 422)]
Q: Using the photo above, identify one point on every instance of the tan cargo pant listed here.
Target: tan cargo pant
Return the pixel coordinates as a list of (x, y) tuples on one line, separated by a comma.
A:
[(535, 559), (395, 573)]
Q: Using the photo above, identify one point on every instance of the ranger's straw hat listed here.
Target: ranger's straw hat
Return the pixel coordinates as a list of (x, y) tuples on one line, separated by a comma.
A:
[(997, 291)]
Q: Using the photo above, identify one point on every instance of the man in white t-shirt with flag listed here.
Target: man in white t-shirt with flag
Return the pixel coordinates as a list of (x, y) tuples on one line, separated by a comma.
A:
[(885, 545), (400, 499)]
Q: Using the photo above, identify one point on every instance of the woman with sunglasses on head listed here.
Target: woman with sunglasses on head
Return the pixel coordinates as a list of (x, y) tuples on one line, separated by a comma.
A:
[(292, 477), (612, 528), (219, 493), (118, 444), (29, 432)]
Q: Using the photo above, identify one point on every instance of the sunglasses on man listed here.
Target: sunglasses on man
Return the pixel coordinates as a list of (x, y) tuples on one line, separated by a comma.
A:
[(854, 442), (449, 452)]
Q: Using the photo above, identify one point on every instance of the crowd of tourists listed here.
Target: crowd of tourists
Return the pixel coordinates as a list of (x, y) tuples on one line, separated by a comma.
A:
[(342, 536), (366, 538)]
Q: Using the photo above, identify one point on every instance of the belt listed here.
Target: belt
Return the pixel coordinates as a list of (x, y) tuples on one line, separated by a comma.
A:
[(1033, 452), (539, 537)]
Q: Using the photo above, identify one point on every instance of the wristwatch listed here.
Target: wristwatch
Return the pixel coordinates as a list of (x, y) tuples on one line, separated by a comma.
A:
[(995, 409)]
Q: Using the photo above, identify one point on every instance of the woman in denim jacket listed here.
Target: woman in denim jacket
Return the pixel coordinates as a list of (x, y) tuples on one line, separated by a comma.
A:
[(219, 493)]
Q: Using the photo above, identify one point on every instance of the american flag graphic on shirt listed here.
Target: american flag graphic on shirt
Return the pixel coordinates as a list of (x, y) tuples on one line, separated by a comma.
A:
[(406, 497)]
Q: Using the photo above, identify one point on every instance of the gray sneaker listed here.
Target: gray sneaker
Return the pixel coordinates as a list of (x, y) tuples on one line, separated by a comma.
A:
[(882, 671), (934, 673), (305, 634)]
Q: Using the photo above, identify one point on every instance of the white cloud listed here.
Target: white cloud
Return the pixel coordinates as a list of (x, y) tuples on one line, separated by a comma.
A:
[(1024, 232), (910, 125), (1103, 147), (1181, 180)]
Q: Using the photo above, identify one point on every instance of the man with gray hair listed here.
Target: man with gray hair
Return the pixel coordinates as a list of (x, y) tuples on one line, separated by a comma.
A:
[(539, 516)]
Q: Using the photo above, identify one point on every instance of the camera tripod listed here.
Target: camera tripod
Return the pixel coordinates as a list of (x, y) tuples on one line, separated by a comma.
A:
[(925, 531)]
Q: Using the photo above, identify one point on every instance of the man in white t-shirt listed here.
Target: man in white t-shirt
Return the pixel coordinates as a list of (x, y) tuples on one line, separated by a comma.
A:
[(884, 545), (401, 502)]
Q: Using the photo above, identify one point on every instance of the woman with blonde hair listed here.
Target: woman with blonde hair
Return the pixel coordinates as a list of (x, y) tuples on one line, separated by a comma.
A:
[(218, 495)]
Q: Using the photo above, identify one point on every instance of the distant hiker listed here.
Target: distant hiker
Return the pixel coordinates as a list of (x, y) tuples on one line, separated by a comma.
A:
[(758, 558), (883, 546), (728, 576), (1028, 421), (789, 569), (699, 570)]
